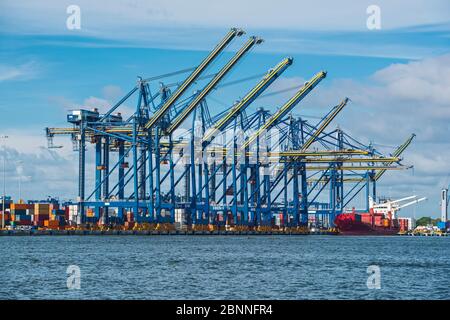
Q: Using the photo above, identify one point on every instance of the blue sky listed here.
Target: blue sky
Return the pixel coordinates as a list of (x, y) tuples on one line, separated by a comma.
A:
[(396, 77)]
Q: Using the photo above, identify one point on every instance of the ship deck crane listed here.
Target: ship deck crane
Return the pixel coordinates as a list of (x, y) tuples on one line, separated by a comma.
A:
[(391, 207)]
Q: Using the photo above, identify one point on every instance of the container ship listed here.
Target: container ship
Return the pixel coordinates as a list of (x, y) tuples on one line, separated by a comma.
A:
[(380, 220)]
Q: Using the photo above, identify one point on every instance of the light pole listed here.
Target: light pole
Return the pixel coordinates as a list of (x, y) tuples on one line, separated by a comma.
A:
[(4, 182), (19, 172)]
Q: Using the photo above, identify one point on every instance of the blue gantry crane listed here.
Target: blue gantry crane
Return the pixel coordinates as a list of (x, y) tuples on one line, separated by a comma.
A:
[(237, 169)]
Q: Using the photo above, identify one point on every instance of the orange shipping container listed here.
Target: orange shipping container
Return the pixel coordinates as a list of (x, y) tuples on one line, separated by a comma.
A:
[(41, 209), (53, 224)]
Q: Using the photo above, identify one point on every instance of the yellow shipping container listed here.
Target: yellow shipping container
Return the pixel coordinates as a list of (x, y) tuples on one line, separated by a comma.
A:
[(90, 213), (43, 208)]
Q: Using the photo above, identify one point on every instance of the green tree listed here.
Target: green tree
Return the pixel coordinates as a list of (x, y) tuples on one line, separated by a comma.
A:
[(426, 221)]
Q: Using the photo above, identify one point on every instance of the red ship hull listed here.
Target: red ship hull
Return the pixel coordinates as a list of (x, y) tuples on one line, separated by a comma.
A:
[(365, 224)]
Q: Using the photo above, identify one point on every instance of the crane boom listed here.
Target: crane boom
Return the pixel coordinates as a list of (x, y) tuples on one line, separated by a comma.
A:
[(354, 160), (299, 95), (234, 32), (210, 86), (412, 202), (397, 153), (262, 85), (404, 199), (325, 123)]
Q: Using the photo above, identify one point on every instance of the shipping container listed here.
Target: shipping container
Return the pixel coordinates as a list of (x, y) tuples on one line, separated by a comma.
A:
[(90, 213), (58, 212), (441, 225), (128, 225), (129, 216), (91, 220), (19, 211), (180, 216), (72, 212), (7, 216), (406, 224), (44, 208), (21, 206), (38, 223), (53, 224), (41, 217)]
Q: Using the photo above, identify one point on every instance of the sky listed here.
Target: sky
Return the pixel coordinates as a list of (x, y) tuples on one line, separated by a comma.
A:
[(397, 76)]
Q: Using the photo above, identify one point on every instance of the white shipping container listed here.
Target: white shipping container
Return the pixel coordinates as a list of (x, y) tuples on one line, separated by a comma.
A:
[(112, 212), (277, 220), (411, 223), (73, 216), (180, 216)]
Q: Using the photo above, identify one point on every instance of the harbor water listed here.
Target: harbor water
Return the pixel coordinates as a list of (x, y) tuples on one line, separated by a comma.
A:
[(224, 267)]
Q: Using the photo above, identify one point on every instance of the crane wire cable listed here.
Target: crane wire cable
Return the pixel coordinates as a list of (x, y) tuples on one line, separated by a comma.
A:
[(169, 74)]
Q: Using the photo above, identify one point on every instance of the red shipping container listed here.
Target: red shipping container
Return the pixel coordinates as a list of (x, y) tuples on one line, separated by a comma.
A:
[(130, 216), (66, 213), (39, 223), (21, 206), (129, 225)]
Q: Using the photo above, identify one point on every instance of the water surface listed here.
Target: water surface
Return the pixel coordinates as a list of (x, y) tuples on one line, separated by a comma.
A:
[(224, 267)]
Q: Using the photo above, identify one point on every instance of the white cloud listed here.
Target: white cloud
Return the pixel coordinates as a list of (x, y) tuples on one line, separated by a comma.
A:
[(43, 172), (112, 92), (23, 71), (320, 14), (287, 25), (422, 81), (95, 102)]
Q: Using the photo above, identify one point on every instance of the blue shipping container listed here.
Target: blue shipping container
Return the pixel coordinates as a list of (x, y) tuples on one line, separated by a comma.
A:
[(441, 225)]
